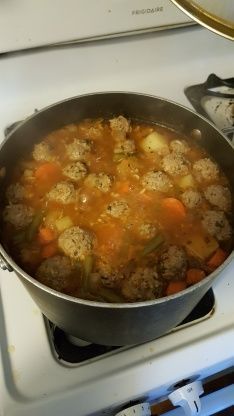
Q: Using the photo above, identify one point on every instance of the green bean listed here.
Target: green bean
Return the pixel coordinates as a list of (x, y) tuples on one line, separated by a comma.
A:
[(110, 296), (88, 265), (87, 269), (33, 227), (79, 267), (79, 270), (20, 237), (152, 244), (84, 270), (102, 294), (95, 298)]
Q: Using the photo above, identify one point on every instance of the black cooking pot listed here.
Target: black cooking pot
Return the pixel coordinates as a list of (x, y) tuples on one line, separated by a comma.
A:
[(105, 323)]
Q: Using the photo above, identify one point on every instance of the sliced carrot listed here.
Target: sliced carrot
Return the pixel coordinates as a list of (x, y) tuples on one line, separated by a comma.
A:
[(48, 171), (173, 208), (46, 235), (194, 276), (217, 259), (175, 287), (49, 250)]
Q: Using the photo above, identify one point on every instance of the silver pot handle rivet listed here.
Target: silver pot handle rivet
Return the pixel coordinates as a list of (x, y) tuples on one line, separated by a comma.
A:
[(188, 397), (196, 134)]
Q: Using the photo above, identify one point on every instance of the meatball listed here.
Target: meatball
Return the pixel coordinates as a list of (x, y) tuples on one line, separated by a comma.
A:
[(75, 171), (43, 152), (63, 193), (217, 225), (147, 231), (78, 149), (94, 131), (142, 284), (55, 272), (110, 276), (76, 243), (205, 170), (120, 125), (175, 164), (173, 263), (101, 181), (156, 181), (191, 198), (125, 147), (19, 215), (179, 146), (15, 192), (118, 209), (219, 196)]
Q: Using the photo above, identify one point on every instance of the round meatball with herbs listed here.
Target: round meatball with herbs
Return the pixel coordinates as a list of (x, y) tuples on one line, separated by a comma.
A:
[(56, 272), (117, 210)]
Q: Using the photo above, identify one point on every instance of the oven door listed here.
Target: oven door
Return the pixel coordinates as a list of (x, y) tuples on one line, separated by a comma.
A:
[(85, 20)]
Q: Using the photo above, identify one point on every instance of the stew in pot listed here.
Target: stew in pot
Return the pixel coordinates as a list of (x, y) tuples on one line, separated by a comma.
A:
[(117, 211)]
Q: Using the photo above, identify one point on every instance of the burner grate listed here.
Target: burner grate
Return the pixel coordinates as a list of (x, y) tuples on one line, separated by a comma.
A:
[(214, 99), (67, 351)]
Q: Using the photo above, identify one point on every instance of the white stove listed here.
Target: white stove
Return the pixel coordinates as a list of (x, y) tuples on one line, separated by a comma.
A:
[(32, 380)]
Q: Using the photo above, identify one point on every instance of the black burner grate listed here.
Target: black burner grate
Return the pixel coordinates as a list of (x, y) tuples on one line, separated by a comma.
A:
[(68, 352), (221, 93)]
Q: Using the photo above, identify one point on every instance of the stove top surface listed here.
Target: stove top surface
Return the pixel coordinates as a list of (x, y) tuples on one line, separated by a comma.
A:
[(32, 380)]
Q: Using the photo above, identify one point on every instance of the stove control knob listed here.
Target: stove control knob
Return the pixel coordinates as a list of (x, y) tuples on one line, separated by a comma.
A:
[(141, 409), (188, 398)]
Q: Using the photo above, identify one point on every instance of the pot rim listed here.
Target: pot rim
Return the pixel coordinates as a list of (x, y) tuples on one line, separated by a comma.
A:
[(57, 103), (9, 260)]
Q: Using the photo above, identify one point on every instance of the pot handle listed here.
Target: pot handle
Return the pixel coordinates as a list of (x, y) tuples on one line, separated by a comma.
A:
[(4, 265)]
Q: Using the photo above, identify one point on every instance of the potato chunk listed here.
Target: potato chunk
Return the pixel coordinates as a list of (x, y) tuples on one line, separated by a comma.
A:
[(155, 143), (186, 182), (63, 223), (201, 246)]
